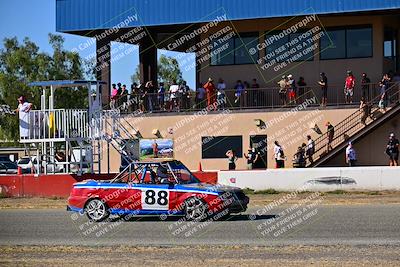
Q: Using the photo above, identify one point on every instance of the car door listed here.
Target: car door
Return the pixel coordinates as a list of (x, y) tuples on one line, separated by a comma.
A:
[(156, 198)]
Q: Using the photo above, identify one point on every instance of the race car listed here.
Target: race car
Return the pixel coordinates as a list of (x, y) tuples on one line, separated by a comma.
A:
[(155, 188)]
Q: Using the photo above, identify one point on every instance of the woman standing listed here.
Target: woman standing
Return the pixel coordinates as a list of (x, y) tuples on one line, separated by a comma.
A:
[(231, 159)]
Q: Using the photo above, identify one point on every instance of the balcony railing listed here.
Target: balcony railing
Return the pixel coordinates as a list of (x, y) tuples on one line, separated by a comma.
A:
[(251, 98), (57, 124)]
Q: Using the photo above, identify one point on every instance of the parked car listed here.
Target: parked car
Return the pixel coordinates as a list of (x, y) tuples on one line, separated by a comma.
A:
[(156, 188), (8, 167), (26, 163)]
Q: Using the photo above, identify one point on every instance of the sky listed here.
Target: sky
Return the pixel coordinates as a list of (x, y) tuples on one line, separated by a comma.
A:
[(37, 18)]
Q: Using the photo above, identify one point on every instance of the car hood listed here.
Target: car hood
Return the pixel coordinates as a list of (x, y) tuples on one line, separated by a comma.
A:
[(213, 187)]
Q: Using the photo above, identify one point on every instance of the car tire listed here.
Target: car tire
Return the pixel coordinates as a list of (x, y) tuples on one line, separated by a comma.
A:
[(96, 210), (195, 209)]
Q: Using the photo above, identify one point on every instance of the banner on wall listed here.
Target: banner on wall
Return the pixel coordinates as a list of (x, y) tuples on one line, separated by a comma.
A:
[(156, 149)]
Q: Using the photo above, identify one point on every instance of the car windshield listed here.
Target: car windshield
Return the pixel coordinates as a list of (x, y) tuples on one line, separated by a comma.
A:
[(8, 165), (182, 173), (24, 161)]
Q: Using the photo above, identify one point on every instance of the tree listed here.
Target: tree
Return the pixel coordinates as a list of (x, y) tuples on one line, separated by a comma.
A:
[(167, 70), (21, 63)]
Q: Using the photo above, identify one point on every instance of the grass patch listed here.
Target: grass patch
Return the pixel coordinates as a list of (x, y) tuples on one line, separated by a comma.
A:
[(336, 192), (269, 191)]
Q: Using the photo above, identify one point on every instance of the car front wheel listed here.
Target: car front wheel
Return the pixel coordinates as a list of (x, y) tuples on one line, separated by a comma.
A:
[(195, 209), (96, 210)]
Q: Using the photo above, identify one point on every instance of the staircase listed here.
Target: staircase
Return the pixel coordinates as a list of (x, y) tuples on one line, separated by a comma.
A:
[(351, 128), (120, 136)]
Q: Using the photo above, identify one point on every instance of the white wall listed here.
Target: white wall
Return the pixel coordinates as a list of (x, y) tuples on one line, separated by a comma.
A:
[(315, 179)]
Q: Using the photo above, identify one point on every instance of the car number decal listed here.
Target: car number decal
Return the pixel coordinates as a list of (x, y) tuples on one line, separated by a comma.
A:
[(155, 199)]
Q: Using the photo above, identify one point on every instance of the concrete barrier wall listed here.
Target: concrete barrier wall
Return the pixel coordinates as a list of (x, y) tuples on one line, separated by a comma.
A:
[(316, 179)]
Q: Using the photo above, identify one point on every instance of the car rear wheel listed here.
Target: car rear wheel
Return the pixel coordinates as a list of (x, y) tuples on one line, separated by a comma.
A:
[(195, 209), (96, 210)]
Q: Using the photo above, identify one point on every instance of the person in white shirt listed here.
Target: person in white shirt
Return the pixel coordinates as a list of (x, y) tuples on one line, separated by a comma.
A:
[(279, 156), (350, 155), (221, 86), (310, 149), (23, 110), (173, 90)]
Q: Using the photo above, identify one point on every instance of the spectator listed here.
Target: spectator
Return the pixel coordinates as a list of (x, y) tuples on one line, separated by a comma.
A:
[(392, 150), (210, 92), (142, 97), (364, 107), (299, 160), (279, 155), (350, 155), (161, 96), (200, 96), (173, 90), (323, 83), (184, 92), (292, 89), (252, 157), (231, 159), (119, 88), (349, 87), (221, 86), (150, 93), (114, 96), (244, 97), (283, 85), (301, 84), (255, 95), (383, 96), (310, 150), (23, 111), (123, 98), (365, 82), (239, 92), (134, 97), (331, 134)]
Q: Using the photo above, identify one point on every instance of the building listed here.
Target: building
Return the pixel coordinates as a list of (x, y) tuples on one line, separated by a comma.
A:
[(244, 40)]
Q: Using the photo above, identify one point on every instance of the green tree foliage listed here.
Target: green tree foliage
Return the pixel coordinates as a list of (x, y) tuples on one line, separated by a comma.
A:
[(21, 63), (167, 70)]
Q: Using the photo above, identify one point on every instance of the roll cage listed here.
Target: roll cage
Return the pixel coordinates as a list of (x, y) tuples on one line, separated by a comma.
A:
[(165, 172)]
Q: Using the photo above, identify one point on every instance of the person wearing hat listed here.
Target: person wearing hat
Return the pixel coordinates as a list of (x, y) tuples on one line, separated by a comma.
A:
[(392, 150), (23, 111), (323, 83), (210, 93), (349, 87), (252, 157), (350, 155)]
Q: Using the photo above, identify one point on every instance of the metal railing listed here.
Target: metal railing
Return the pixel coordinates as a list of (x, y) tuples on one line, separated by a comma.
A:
[(250, 98), (57, 123), (344, 130)]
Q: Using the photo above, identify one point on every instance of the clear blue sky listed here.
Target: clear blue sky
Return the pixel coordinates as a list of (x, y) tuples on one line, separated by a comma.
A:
[(36, 18)]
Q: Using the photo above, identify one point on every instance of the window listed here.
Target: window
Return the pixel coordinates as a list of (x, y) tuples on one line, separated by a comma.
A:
[(215, 147), (309, 56), (274, 46), (242, 46), (235, 50), (346, 43), (333, 45), (359, 42), (389, 43), (226, 55)]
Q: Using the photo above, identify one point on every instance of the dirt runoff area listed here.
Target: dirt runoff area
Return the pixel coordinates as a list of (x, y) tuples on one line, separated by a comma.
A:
[(183, 256), (256, 199)]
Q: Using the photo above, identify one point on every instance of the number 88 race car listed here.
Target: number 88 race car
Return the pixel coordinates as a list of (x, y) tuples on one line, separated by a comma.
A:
[(155, 188)]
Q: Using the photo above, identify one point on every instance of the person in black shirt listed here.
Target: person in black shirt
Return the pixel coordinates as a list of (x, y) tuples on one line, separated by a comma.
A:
[(323, 82), (365, 81), (392, 150), (331, 134), (252, 157)]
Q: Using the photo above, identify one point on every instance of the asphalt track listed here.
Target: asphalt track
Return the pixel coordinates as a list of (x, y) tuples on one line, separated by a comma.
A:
[(319, 225)]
